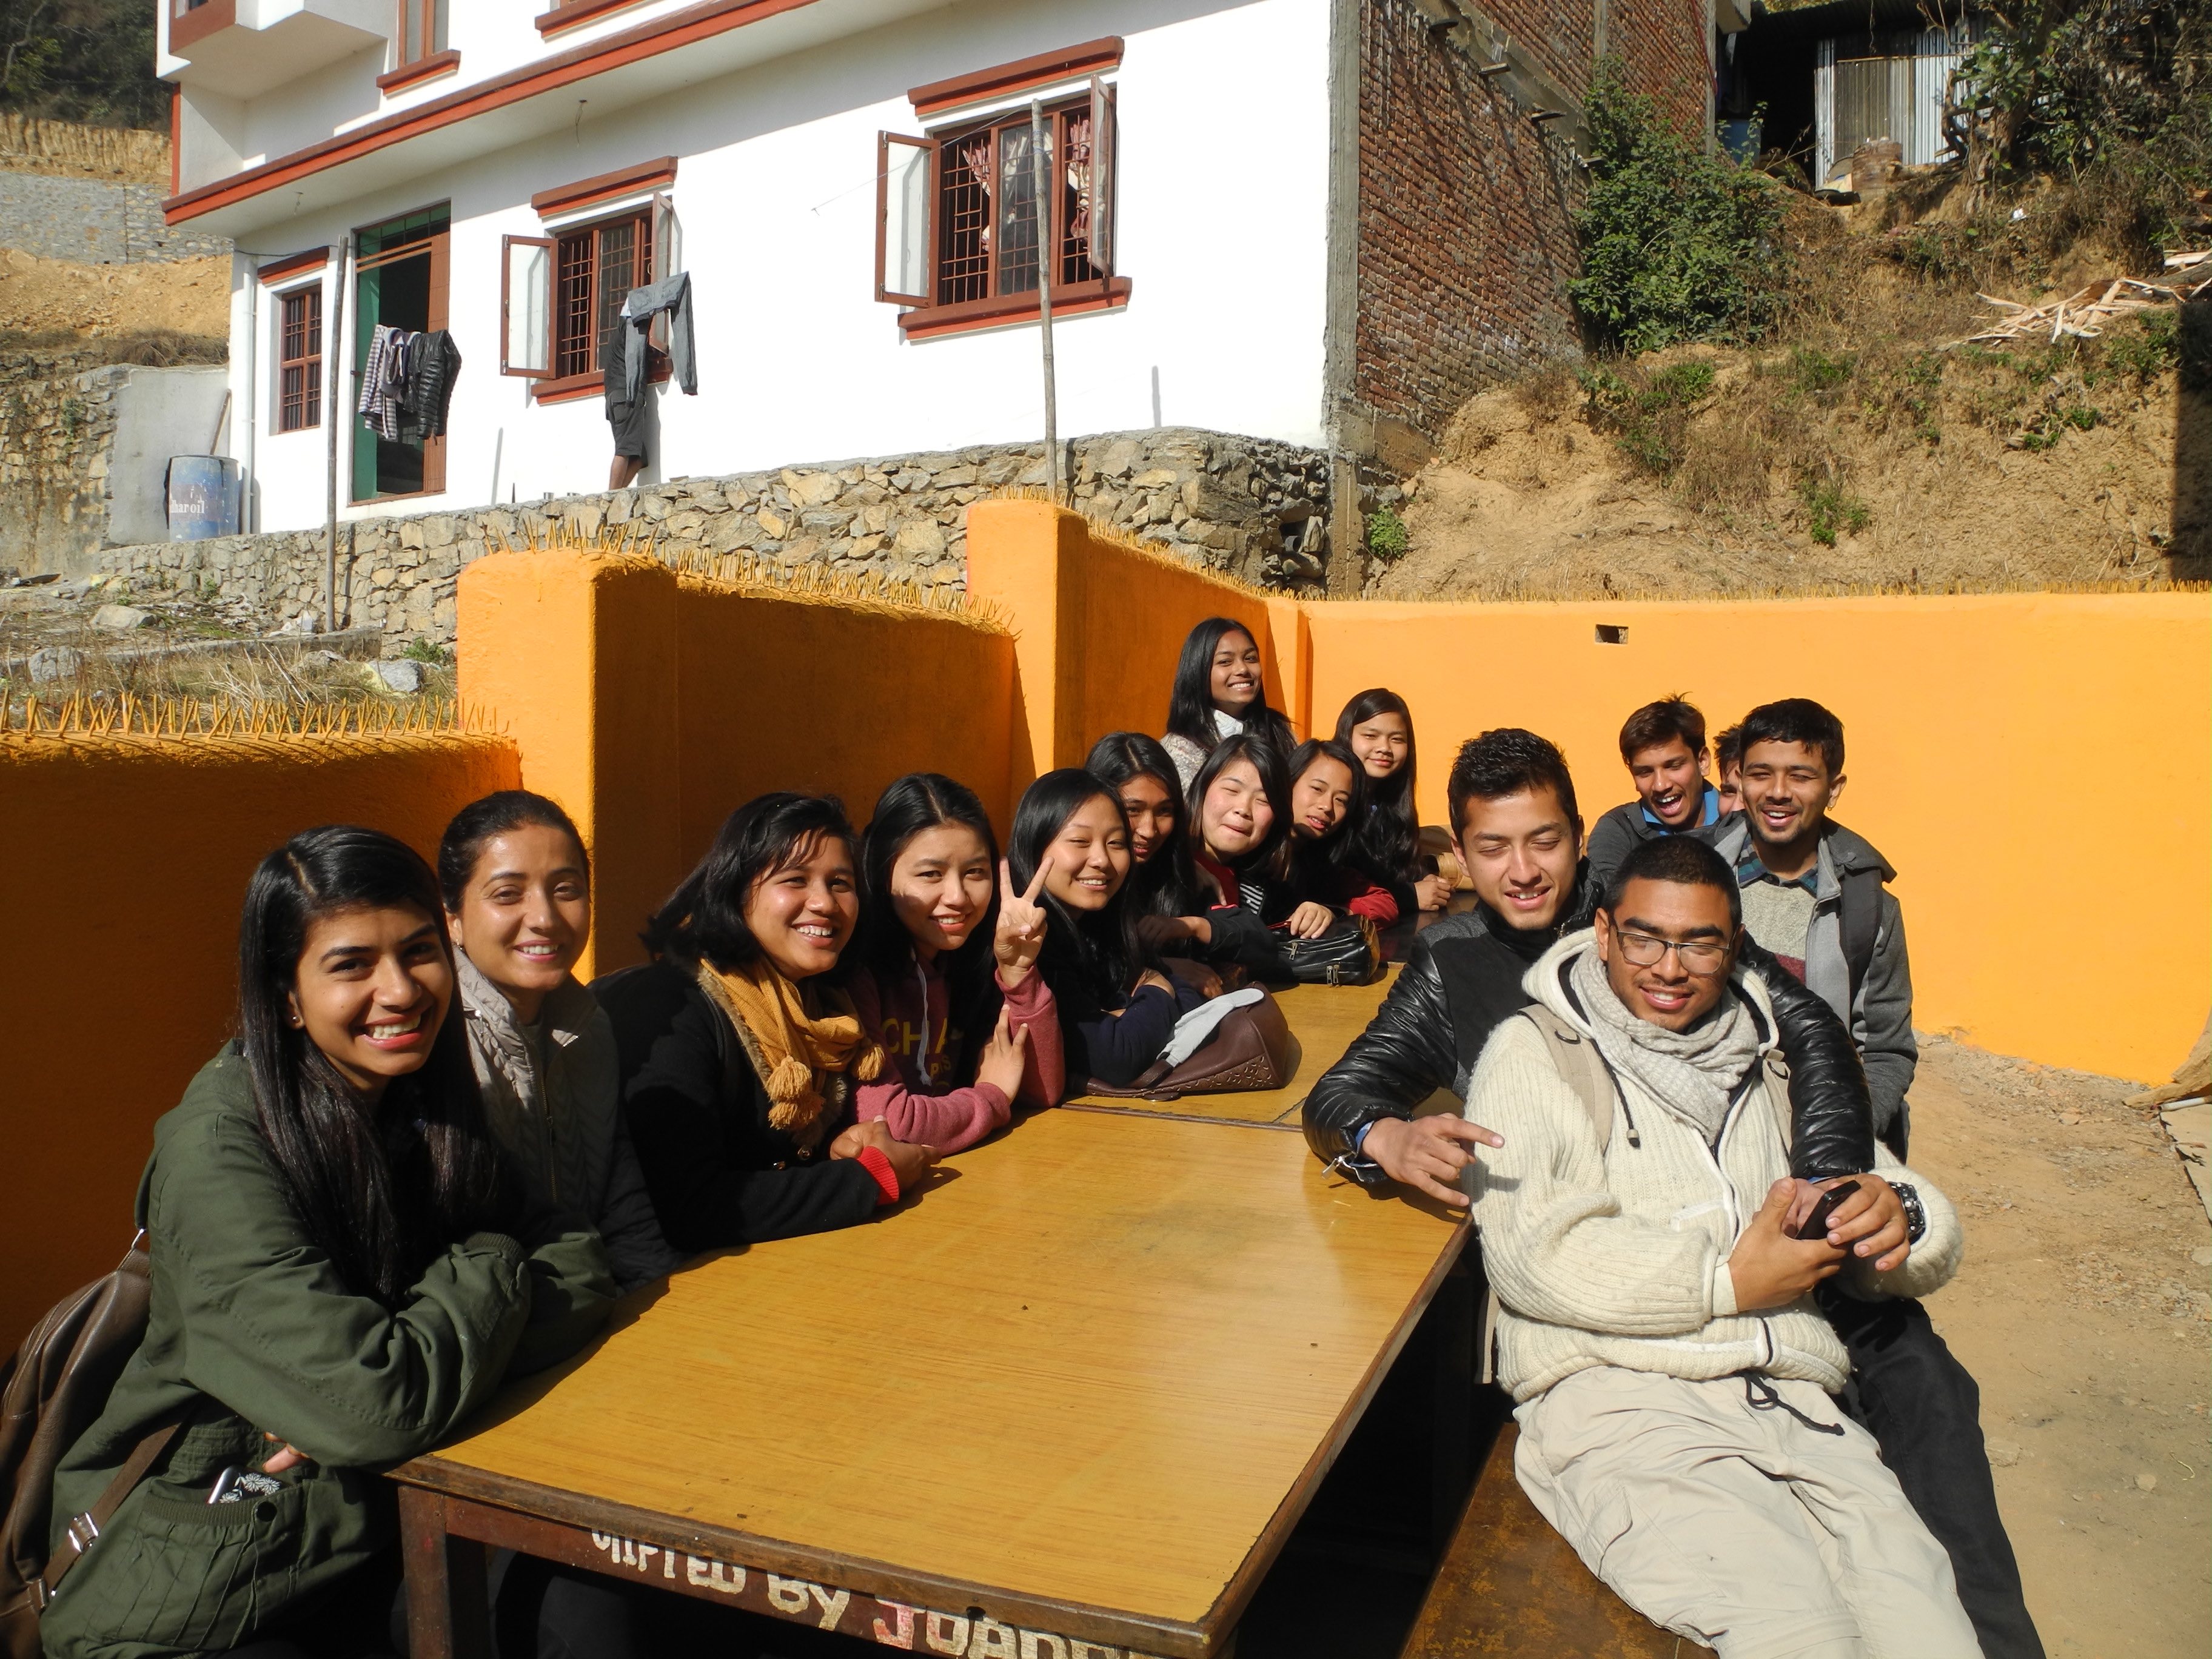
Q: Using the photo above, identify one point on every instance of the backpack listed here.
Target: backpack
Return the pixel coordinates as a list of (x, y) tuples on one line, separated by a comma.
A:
[(1858, 920), (52, 1389), (1583, 1069)]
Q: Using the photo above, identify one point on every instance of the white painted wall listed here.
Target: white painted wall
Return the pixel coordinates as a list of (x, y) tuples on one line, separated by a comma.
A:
[(158, 413), (1222, 198)]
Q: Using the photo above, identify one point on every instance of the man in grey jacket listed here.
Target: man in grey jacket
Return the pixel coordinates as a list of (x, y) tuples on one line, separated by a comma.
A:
[(1814, 894)]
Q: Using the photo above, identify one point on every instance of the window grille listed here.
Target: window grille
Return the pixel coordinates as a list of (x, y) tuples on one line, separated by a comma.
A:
[(299, 360)]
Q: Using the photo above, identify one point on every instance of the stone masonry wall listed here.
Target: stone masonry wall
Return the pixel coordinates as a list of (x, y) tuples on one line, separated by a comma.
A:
[(1247, 506), (93, 221), (1466, 239), (57, 424)]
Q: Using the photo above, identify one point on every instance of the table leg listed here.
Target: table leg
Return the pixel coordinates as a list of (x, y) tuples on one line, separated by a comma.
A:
[(449, 1615)]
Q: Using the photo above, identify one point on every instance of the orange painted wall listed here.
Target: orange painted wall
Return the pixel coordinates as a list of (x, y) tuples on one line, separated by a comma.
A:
[(799, 694), (1100, 627), (651, 706), (1993, 742), (123, 863)]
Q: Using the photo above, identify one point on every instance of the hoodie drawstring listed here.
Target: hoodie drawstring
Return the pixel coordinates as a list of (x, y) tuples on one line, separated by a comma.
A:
[(1763, 1396)]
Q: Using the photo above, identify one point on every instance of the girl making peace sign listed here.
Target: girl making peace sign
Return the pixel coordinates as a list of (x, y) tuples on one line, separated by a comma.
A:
[(957, 1002)]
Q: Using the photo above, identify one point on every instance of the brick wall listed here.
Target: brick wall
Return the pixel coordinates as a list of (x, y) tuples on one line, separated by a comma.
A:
[(1662, 46), (1466, 205), (1465, 243)]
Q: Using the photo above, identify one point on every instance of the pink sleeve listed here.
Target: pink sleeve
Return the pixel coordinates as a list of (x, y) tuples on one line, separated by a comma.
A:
[(949, 1121), (1044, 1073)]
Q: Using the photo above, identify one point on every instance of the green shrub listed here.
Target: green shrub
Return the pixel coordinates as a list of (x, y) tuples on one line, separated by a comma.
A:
[(2147, 350), (1386, 533), (1650, 416), (1676, 244), (1813, 370), (422, 650), (1829, 510)]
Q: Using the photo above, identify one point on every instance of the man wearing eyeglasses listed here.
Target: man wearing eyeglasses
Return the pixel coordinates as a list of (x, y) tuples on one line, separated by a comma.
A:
[(1671, 1369)]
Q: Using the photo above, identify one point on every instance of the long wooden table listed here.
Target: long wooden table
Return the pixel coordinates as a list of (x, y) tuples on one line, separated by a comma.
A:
[(1065, 1405)]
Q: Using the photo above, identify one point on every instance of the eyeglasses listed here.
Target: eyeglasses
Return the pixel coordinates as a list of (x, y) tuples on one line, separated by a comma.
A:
[(1701, 956)]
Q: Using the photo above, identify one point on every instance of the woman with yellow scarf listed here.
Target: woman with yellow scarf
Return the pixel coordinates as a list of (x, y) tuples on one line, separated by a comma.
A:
[(738, 1059)]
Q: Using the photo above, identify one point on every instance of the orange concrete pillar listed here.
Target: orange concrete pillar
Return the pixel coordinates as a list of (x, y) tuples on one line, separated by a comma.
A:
[(573, 656), (1288, 652), (1021, 558)]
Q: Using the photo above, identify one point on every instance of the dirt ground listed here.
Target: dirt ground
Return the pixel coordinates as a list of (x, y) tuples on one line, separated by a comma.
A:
[(1528, 501), (40, 296), (2082, 1310)]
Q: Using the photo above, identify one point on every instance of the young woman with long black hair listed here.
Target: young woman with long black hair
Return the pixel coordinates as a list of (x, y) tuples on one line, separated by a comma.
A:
[(955, 1001), (1219, 693), (1117, 1004), (517, 886), (1377, 727), (1328, 801), (1162, 880), (738, 1058), (344, 1271)]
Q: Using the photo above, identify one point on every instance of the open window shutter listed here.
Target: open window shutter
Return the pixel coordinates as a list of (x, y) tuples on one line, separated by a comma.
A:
[(526, 306), (1105, 147), (905, 251), (667, 260)]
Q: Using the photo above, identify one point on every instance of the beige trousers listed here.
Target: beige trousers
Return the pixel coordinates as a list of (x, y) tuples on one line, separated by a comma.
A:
[(1718, 1510)]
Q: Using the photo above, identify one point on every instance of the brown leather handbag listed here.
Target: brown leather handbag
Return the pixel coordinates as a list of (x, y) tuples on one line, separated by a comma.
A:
[(1251, 1048)]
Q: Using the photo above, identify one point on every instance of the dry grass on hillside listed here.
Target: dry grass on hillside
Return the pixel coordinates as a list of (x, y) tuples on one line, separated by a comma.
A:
[(1853, 450), (45, 296)]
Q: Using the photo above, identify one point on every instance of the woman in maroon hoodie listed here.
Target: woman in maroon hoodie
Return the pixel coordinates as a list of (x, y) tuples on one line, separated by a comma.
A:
[(952, 992)]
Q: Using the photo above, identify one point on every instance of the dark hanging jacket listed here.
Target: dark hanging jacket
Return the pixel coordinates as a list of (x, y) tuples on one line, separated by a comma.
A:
[(251, 1329), (435, 365), (693, 1091), (1464, 977)]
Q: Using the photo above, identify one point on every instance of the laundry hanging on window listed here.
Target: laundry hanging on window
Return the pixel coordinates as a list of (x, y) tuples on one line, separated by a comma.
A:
[(666, 303), (407, 383)]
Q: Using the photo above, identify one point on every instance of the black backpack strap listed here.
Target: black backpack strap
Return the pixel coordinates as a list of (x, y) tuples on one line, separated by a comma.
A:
[(1861, 919)]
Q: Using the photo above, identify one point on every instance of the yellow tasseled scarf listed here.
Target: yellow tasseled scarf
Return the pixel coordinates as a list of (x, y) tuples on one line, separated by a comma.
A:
[(798, 1048)]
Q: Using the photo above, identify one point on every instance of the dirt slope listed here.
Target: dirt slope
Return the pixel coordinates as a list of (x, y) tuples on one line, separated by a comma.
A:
[(2081, 1309), (42, 296), (1984, 480)]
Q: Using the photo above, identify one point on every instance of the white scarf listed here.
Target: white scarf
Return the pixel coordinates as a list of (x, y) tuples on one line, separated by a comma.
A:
[(1226, 725), (1691, 1072)]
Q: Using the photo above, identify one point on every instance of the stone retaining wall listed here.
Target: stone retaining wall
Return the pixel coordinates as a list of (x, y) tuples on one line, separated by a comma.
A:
[(93, 221), (1255, 509), (57, 426)]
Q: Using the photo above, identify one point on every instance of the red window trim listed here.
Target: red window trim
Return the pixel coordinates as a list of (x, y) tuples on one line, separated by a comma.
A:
[(199, 22), (928, 322), (603, 187), (1089, 59), (682, 28), (575, 14), (569, 387), (447, 61), (295, 264)]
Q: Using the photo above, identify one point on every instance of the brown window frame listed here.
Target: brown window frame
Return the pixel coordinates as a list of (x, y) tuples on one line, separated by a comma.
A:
[(425, 39), (299, 374), (576, 350), (972, 283)]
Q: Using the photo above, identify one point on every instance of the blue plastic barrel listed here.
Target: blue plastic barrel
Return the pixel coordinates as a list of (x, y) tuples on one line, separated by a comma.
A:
[(205, 494)]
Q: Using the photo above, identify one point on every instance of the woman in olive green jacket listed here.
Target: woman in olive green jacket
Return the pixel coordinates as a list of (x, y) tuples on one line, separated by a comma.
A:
[(341, 1272)]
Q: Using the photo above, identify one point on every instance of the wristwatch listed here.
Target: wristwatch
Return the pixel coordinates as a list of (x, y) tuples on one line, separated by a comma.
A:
[(1915, 1212)]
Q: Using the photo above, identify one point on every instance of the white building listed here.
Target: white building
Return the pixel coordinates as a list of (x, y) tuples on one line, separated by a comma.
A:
[(509, 177)]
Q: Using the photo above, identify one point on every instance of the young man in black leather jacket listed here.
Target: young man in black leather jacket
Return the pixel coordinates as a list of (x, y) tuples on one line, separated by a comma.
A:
[(1519, 836)]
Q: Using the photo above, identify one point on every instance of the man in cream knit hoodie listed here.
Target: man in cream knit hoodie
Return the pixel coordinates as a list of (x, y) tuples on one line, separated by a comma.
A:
[(1658, 1328)]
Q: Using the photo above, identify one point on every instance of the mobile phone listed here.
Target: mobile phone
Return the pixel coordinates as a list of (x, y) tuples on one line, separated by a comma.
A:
[(1816, 1225)]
